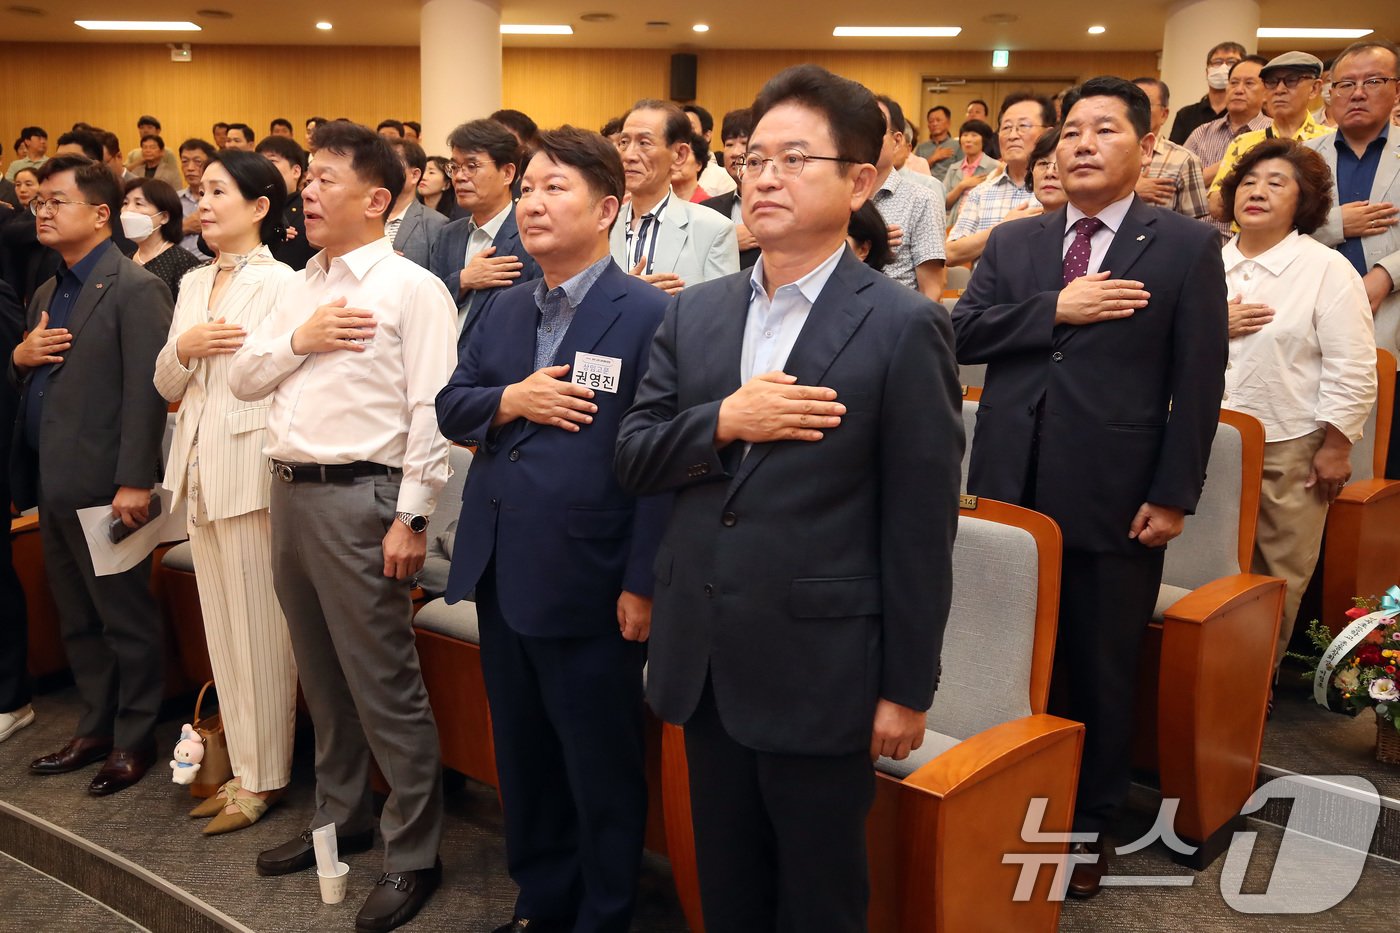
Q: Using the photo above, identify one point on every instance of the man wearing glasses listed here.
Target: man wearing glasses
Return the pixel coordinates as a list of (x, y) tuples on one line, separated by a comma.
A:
[(1219, 61), (478, 256), (1364, 156), (1006, 194), (805, 417), (1290, 81), (88, 434)]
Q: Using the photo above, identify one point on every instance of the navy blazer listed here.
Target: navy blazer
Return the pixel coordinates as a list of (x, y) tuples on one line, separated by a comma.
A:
[(1131, 405), (567, 540), (449, 256)]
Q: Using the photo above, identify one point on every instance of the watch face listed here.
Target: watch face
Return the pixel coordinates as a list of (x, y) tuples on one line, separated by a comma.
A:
[(418, 524)]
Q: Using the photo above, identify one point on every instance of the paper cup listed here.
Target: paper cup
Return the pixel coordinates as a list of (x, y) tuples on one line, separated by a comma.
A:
[(333, 886)]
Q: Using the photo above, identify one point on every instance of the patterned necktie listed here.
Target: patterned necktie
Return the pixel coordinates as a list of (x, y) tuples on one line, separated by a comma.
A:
[(1077, 259)]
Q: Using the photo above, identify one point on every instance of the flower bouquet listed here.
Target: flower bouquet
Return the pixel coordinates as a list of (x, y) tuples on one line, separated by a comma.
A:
[(1360, 667)]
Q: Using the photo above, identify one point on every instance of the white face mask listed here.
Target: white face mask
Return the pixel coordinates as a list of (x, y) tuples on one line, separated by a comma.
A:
[(1218, 77), (137, 227)]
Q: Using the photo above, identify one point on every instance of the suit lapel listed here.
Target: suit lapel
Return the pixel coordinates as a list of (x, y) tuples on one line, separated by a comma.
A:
[(672, 237), (1388, 169), (412, 217), (98, 286), (1134, 235), (1047, 252)]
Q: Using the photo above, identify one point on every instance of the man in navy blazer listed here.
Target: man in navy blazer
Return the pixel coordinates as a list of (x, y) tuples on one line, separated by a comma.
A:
[(560, 556), (1104, 329), (480, 256)]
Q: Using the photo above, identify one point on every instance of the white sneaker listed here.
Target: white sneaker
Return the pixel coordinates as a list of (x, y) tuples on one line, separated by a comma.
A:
[(12, 722)]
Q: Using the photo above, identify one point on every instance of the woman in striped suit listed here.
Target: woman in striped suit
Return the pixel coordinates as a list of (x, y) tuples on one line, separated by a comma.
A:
[(216, 463)]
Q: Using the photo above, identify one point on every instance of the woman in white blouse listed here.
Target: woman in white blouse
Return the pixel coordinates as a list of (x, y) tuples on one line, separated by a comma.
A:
[(216, 465), (1302, 353)]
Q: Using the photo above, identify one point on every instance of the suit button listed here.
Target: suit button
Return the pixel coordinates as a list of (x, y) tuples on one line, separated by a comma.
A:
[(1030, 409), (1057, 356), (514, 456), (728, 519), (495, 502), (709, 590)]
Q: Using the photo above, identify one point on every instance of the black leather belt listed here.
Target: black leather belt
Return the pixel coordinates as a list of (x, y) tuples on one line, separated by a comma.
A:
[(328, 472)]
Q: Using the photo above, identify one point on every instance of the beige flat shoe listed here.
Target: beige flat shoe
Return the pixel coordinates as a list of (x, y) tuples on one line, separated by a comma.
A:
[(249, 810), (211, 806)]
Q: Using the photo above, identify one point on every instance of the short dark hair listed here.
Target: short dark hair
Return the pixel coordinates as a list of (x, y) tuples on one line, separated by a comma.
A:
[(247, 131), (707, 122), (215, 128), (1362, 45), (1133, 97), (256, 177), (1226, 47), (93, 179), (160, 141), (1162, 90), (736, 123), (371, 156), (165, 199), (280, 121), (391, 124), (413, 125), (489, 137), (284, 146), (932, 110), (111, 145), (985, 106), (867, 226), (147, 120), (854, 119), (612, 127), (413, 154), (90, 143), (29, 131), (981, 128), (1047, 108), (593, 154), (896, 120), (528, 130), (200, 144), (1309, 168), (700, 150), (1259, 60), (1045, 146), (676, 123)]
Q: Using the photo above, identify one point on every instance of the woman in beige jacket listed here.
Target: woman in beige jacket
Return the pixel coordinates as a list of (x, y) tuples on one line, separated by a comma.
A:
[(216, 465)]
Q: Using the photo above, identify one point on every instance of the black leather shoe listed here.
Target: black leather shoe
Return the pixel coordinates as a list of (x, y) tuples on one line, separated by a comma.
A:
[(300, 854), (397, 897), (1090, 865), (522, 925), (78, 753), (122, 769)]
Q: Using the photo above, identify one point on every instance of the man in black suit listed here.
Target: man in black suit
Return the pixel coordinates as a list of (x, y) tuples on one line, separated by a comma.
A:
[(734, 131), (15, 711), (806, 418), (290, 159), (1103, 327), (89, 434)]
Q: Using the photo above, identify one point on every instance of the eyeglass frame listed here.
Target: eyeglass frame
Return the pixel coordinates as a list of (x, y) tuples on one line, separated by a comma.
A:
[(1046, 164), (1290, 80), (41, 204), (1367, 85), (762, 162), (1020, 129), (465, 167)]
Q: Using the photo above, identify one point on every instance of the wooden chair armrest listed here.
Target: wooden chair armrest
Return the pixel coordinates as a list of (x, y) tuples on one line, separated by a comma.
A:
[(990, 752), (1369, 490), (1220, 596), (24, 523)]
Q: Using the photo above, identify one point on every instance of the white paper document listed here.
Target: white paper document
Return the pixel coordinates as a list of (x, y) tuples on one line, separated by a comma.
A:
[(109, 558)]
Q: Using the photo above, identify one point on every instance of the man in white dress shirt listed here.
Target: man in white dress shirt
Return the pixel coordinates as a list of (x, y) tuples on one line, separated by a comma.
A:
[(352, 360)]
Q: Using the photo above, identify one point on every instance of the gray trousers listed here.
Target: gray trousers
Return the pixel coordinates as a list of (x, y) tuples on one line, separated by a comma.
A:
[(352, 635)]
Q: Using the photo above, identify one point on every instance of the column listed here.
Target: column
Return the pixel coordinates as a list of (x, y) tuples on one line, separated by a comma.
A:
[(460, 58), (1193, 28)]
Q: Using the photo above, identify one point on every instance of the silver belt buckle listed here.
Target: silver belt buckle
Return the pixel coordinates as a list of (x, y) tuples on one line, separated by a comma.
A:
[(283, 471)]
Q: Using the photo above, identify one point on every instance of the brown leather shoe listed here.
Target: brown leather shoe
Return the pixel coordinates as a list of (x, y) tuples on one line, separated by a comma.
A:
[(1090, 865), (122, 769), (80, 752)]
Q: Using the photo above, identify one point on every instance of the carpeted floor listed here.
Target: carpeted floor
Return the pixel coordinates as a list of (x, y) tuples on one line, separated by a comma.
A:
[(35, 902)]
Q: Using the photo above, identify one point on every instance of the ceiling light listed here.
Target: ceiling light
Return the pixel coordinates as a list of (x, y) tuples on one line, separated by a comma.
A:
[(700, 27), (323, 26), (1303, 32), (131, 25), (1097, 30), (536, 30), (895, 32)]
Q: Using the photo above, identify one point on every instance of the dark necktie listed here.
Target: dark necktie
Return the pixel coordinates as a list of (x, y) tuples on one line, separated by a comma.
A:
[(1077, 259)]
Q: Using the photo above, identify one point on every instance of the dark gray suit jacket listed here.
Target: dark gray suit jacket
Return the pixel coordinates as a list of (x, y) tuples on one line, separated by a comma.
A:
[(807, 579), (451, 254), (102, 418), (418, 233)]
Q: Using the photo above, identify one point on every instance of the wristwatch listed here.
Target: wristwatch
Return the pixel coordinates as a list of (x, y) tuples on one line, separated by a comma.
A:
[(415, 523)]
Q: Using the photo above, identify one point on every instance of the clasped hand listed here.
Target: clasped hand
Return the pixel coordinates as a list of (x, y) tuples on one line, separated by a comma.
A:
[(487, 270), (547, 397), (42, 346), (334, 327), (211, 339), (1095, 297), (772, 407)]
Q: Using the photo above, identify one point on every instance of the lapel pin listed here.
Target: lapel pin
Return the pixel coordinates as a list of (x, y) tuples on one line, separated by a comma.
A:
[(1141, 237), (99, 285)]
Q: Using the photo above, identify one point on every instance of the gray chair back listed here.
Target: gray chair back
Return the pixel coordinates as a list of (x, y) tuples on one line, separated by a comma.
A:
[(1209, 547), (972, 374), (969, 412), (959, 276), (442, 524), (1363, 452)]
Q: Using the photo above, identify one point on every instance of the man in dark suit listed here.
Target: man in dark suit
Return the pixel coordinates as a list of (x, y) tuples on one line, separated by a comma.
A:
[(413, 228), (806, 418), (561, 557), (1103, 327), (15, 711), (479, 257), (89, 434), (734, 131), (729, 206), (291, 161)]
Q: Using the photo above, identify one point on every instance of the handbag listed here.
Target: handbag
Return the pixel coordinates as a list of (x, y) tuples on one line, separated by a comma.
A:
[(216, 769)]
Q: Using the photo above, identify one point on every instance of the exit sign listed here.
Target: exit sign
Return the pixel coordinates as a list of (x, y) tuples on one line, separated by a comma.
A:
[(1001, 58)]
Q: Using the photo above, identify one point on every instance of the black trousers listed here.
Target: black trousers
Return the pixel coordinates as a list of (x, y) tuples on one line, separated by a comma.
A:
[(1392, 462), (1105, 603), (779, 839), (14, 625)]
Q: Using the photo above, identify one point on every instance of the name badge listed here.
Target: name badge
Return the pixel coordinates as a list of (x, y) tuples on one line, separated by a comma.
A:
[(601, 373)]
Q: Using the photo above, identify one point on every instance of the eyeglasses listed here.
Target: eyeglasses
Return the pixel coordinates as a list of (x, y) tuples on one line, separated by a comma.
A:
[(1020, 128), (1368, 86), (787, 164), (1045, 165), (469, 168), (1217, 62), (41, 205), (1288, 81)]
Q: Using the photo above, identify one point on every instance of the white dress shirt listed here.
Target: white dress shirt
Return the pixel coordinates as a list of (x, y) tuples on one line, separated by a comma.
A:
[(1314, 364), (1112, 217), (344, 406)]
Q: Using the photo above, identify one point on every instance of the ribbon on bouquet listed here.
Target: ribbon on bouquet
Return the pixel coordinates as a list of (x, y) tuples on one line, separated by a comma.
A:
[(1350, 637)]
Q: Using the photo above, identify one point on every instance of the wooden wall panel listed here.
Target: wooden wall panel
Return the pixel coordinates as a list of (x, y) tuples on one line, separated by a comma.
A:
[(585, 87)]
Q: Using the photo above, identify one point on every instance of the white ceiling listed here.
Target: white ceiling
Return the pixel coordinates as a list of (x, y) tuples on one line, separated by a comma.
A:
[(1039, 24)]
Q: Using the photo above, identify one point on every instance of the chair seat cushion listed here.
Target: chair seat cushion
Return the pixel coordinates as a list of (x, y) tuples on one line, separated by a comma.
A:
[(1166, 596), (455, 621), (935, 744), (180, 557)]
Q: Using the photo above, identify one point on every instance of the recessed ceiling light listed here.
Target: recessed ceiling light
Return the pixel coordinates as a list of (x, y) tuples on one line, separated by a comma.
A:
[(1297, 32), (895, 32), (323, 26), (133, 25), (507, 30), (1097, 30), (597, 17), (700, 27)]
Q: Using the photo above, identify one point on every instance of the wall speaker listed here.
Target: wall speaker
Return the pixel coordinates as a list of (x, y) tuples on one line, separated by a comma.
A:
[(683, 68)]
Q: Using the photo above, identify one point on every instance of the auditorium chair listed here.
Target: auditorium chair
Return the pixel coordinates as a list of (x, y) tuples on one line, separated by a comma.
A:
[(944, 818), (958, 277), (1361, 547)]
